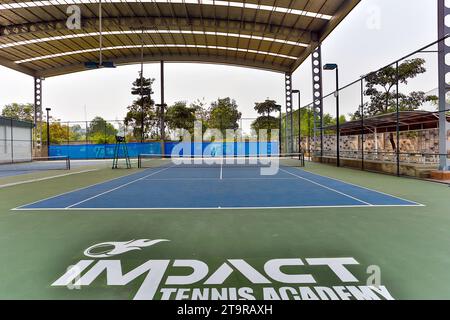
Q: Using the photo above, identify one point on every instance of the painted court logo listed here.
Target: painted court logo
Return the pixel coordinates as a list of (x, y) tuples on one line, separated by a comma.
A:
[(110, 249), (189, 279)]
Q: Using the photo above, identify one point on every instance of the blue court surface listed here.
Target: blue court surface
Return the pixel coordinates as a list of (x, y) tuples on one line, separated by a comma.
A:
[(218, 188)]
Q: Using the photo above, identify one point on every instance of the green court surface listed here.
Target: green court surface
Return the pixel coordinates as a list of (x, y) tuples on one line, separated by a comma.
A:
[(410, 245)]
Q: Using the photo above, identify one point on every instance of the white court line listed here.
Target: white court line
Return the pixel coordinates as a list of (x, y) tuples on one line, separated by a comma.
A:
[(321, 185), (116, 188), (78, 189), (43, 179), (355, 185), (217, 208), (213, 179)]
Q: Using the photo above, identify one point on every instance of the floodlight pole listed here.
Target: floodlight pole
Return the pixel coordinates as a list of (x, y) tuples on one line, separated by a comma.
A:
[(299, 121), (142, 87), (48, 130), (280, 125), (333, 66), (163, 105), (338, 125)]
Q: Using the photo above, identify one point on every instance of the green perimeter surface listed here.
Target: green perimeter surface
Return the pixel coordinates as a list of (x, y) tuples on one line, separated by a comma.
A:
[(411, 245)]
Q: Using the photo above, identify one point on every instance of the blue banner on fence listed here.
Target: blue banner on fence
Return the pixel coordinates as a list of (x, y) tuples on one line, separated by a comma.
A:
[(221, 148), (106, 151), (103, 151)]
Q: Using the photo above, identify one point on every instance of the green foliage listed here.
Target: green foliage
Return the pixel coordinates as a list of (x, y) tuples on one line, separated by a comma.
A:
[(224, 114), (100, 138), (380, 87), (142, 109), (100, 131), (19, 111), (99, 125), (307, 122), (77, 133), (180, 116), (266, 122), (59, 134), (62, 133), (267, 107)]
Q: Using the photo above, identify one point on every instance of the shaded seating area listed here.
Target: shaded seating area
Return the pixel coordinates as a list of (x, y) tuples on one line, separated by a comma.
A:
[(366, 143)]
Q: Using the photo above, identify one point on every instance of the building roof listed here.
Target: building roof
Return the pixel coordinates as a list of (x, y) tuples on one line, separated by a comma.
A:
[(5, 121), (408, 120), (271, 35)]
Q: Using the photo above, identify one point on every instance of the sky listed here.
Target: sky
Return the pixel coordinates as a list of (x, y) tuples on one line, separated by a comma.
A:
[(374, 34)]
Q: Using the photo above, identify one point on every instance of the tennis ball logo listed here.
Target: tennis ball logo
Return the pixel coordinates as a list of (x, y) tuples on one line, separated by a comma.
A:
[(110, 249)]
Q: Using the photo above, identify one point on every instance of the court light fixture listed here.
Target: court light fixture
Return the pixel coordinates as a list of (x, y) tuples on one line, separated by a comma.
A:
[(330, 66), (296, 91), (97, 65)]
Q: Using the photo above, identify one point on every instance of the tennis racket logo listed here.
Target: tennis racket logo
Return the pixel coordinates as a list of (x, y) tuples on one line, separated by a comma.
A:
[(110, 249)]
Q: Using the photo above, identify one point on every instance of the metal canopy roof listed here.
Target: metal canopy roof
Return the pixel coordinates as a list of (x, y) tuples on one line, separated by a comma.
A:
[(272, 35), (408, 121)]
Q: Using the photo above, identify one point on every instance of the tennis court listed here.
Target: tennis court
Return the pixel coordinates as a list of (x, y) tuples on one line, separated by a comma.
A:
[(219, 184)]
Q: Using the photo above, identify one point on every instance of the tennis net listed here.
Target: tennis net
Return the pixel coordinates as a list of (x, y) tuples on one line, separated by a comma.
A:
[(160, 161), (37, 164)]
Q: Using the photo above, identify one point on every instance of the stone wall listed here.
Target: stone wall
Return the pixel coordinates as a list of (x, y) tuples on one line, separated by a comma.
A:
[(424, 141)]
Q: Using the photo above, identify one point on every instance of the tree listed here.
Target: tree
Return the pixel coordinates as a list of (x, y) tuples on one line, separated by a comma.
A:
[(201, 111), (383, 99), (59, 133), (265, 120), (101, 131), (267, 107), (100, 125), (19, 111), (142, 109), (77, 133), (180, 116), (223, 115)]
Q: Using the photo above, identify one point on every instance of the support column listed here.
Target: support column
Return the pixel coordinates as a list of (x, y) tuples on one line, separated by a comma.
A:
[(444, 88), (317, 96), (163, 105), (38, 115), (289, 125)]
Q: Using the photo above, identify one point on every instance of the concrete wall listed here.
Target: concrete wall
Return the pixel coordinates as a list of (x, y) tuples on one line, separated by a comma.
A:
[(15, 141)]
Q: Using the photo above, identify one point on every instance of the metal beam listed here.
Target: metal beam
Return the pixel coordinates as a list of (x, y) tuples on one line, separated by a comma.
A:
[(38, 115), (170, 58), (11, 65), (321, 35), (444, 88), (316, 61), (289, 125), (205, 24), (163, 104)]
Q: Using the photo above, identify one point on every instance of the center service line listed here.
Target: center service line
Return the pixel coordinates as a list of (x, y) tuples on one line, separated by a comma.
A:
[(116, 188)]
